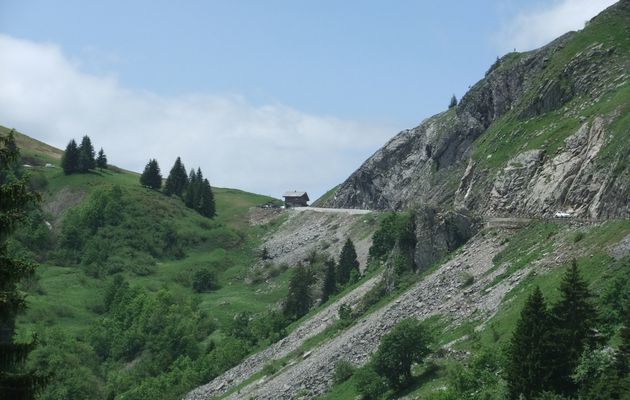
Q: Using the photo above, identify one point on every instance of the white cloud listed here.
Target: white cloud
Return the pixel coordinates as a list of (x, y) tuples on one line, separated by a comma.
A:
[(265, 149), (534, 28)]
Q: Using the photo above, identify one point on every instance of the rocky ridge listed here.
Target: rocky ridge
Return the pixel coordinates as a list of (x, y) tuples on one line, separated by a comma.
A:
[(447, 161)]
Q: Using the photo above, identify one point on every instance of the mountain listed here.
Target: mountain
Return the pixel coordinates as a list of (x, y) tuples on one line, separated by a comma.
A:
[(543, 131), (466, 201)]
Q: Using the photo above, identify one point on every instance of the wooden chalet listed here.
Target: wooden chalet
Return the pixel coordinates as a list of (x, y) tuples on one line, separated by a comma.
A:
[(295, 199)]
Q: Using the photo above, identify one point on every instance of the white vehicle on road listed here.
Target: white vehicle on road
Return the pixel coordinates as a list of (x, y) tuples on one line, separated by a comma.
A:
[(562, 214)]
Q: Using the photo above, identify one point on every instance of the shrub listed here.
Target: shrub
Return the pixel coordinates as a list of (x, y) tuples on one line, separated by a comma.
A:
[(343, 371), (368, 383), (205, 280)]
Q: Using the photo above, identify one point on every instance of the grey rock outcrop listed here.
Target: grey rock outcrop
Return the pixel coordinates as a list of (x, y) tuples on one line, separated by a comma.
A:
[(548, 92)]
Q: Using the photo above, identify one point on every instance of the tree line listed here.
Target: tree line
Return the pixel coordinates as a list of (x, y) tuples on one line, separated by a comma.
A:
[(192, 188), (81, 158), (551, 344)]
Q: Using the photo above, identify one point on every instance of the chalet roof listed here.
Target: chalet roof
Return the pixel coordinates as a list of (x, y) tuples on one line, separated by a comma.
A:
[(295, 194)]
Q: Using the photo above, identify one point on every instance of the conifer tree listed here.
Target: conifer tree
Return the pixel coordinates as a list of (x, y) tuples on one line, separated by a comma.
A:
[(453, 102), (70, 158), (574, 318), (528, 365), (622, 358), (206, 200), (299, 299), (151, 176), (191, 197), (101, 159), (86, 155), (329, 286), (347, 262), (15, 383), (177, 179)]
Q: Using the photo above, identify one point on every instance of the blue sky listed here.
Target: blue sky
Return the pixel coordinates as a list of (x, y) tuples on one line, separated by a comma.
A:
[(264, 96)]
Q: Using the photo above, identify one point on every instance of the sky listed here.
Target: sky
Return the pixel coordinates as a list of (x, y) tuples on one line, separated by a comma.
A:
[(264, 96)]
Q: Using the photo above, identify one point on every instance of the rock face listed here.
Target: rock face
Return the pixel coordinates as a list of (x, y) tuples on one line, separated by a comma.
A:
[(446, 160)]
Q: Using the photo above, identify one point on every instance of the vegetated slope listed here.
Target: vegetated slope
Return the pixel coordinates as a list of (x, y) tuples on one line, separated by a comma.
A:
[(135, 292), (543, 131)]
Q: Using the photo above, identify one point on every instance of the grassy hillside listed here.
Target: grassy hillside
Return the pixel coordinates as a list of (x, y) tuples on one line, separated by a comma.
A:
[(106, 233)]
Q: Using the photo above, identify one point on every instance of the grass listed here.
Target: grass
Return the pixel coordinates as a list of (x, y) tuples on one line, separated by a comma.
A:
[(325, 197)]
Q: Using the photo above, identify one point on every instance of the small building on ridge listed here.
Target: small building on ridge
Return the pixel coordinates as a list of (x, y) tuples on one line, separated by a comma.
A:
[(295, 199)]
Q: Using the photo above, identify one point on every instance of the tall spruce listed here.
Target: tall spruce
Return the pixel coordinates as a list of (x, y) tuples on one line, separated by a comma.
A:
[(86, 155), (191, 197), (70, 158), (101, 159), (329, 286), (528, 364), (574, 319), (622, 357), (207, 206), (299, 298), (151, 176), (15, 383), (347, 263), (177, 179)]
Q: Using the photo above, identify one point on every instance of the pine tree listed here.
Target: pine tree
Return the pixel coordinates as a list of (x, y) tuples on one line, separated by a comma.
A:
[(329, 286), (101, 160), (16, 198), (453, 102), (206, 200), (527, 369), (191, 197), (151, 176), (299, 299), (347, 262), (86, 155), (177, 179), (622, 358), (70, 158), (574, 319)]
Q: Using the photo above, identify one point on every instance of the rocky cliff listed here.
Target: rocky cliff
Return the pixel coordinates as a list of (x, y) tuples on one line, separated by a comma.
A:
[(543, 131)]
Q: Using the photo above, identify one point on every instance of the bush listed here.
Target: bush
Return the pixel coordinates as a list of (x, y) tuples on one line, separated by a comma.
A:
[(368, 383), (343, 371), (205, 280), (407, 343)]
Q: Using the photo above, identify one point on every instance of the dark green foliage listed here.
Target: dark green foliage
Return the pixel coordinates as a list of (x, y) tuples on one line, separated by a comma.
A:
[(478, 380), (111, 232), (622, 357), (453, 102), (343, 371), (86, 155), (264, 328), (347, 263), (151, 176), (71, 366), (16, 197), (329, 286), (70, 158), (205, 280), (206, 200), (177, 179), (368, 383), (528, 366), (299, 298), (407, 343), (198, 195), (395, 229), (101, 159), (574, 318)]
